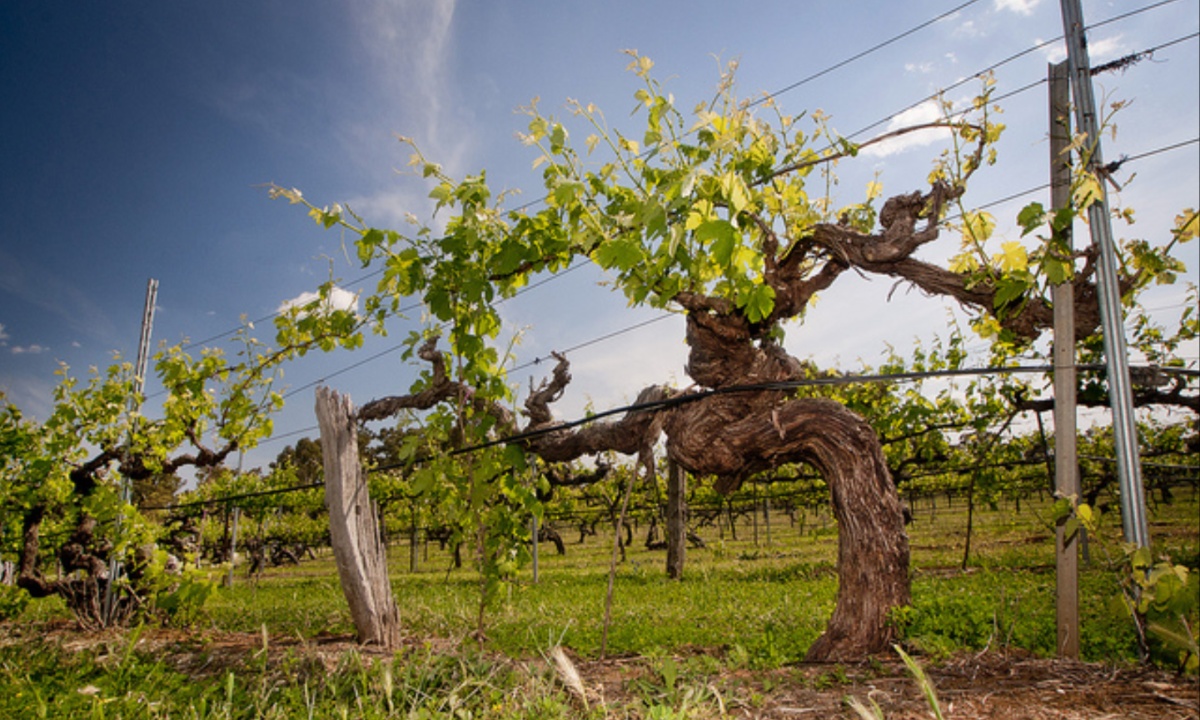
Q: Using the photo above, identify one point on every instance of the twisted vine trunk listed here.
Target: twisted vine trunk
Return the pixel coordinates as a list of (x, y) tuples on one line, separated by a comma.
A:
[(354, 525), (736, 435), (742, 430), (746, 427), (873, 553)]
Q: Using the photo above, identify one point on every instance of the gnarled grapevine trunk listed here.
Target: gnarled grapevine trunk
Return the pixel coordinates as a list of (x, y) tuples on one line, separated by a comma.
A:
[(873, 553), (745, 427), (354, 525), (734, 435), (83, 579)]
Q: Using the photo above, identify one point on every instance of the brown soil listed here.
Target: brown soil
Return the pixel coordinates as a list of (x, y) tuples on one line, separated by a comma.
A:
[(988, 685), (1008, 686)]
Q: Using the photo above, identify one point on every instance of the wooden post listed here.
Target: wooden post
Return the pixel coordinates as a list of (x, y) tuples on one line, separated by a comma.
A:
[(767, 515), (1066, 465), (676, 520), (618, 546), (754, 514), (414, 539), (354, 525), (534, 527), (237, 514)]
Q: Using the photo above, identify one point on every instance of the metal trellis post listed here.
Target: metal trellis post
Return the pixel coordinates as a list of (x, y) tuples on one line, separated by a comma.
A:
[(1129, 472), (139, 385)]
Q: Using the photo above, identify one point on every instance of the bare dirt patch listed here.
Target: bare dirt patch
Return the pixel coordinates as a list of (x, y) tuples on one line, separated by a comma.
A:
[(990, 685)]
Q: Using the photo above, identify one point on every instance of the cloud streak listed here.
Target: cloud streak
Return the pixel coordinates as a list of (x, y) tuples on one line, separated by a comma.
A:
[(926, 112), (1020, 7), (394, 208), (1102, 49), (34, 349), (406, 48), (407, 44), (339, 299)]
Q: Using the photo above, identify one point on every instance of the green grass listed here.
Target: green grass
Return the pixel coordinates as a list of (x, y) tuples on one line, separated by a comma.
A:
[(766, 603), (39, 679), (742, 606)]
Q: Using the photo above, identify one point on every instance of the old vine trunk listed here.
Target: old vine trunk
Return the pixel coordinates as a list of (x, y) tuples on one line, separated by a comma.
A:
[(744, 426), (873, 554), (734, 435), (738, 424)]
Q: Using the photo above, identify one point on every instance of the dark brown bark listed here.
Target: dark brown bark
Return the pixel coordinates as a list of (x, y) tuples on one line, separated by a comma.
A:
[(83, 595), (873, 554), (83, 551), (631, 435), (29, 575), (549, 534), (1150, 388), (734, 434), (439, 388), (740, 430), (890, 252)]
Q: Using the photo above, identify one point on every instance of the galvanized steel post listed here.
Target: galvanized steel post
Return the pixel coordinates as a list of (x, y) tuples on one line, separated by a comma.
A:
[(1129, 469)]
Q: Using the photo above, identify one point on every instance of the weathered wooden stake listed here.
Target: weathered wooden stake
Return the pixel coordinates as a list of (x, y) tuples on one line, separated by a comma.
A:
[(676, 520), (754, 514), (767, 516), (354, 525), (1066, 462), (534, 527), (414, 537), (237, 514)]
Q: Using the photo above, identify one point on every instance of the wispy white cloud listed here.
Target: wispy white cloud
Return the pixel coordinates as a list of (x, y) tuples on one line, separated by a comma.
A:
[(1020, 7), (3, 335), (28, 349), (928, 111), (1106, 48), (412, 36), (339, 299), (923, 68), (1054, 52), (967, 29), (393, 207), (403, 49), (407, 46), (265, 99), (399, 52), (1098, 50)]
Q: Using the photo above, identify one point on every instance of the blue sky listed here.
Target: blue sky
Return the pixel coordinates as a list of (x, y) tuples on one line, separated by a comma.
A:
[(136, 139)]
